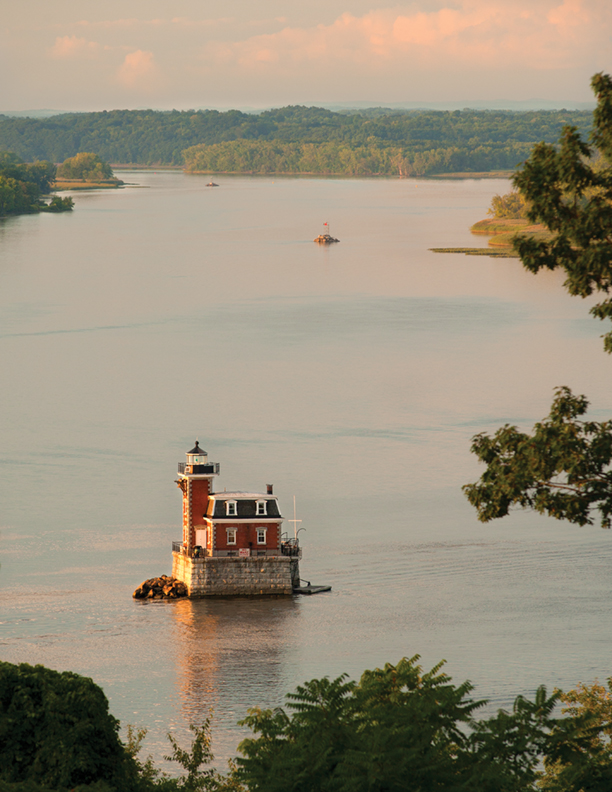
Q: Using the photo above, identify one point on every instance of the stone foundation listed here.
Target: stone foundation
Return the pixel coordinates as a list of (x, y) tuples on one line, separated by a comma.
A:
[(230, 577)]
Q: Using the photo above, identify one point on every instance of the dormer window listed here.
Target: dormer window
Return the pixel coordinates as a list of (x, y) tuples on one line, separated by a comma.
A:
[(261, 507), (231, 508)]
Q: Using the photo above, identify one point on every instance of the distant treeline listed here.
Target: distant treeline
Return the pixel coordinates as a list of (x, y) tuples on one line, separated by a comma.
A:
[(295, 139), (262, 156)]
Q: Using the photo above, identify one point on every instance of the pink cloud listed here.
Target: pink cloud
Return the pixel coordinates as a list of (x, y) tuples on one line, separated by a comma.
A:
[(138, 70), (570, 14), (71, 47), (478, 33)]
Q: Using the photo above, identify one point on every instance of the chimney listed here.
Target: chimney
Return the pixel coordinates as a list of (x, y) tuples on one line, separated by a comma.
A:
[(270, 488)]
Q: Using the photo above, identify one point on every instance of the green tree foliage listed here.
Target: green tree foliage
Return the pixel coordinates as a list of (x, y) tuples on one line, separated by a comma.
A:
[(56, 731), (336, 158), (22, 185), (397, 728), (511, 206), (569, 190), (429, 141), (507, 749), (401, 729), (58, 204), (590, 707), (86, 167), (195, 760), (562, 469), (198, 775), (40, 174)]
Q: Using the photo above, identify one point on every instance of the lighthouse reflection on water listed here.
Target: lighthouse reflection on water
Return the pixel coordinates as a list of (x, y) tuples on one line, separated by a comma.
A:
[(230, 656)]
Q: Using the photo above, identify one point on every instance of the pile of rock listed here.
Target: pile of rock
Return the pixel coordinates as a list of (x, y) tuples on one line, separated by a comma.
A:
[(164, 587)]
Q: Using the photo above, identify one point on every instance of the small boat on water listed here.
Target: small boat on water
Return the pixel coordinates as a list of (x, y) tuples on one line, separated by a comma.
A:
[(326, 238), (212, 184)]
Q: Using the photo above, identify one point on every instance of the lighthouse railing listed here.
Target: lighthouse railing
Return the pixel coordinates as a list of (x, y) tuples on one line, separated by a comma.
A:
[(204, 470)]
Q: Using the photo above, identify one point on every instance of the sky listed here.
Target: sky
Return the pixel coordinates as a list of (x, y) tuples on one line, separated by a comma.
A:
[(92, 55)]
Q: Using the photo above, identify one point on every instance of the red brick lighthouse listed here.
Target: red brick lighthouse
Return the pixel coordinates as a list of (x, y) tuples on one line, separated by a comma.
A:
[(232, 541), (195, 481)]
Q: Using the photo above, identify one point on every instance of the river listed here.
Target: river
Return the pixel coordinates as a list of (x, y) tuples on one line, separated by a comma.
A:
[(352, 377)]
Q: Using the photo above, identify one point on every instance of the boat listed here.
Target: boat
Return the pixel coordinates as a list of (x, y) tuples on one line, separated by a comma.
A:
[(212, 184)]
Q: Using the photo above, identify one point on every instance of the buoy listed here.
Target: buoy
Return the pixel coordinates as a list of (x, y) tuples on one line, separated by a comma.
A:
[(326, 239)]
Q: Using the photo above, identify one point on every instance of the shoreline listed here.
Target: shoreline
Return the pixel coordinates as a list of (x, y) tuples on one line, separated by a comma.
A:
[(501, 232), (497, 174), (78, 184), (459, 175)]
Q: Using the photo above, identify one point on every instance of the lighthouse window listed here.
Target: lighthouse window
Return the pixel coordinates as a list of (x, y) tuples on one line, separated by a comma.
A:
[(261, 507), (231, 536), (261, 536), (231, 508)]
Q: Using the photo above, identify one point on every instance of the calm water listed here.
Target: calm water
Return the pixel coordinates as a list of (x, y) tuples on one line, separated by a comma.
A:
[(352, 377)]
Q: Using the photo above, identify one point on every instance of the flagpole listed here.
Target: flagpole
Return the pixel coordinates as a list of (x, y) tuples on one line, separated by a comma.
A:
[(295, 521)]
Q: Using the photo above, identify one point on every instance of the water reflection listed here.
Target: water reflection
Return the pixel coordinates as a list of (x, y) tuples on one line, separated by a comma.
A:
[(230, 655)]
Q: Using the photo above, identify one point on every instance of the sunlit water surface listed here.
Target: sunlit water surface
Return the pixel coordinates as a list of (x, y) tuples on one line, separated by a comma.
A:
[(352, 377)]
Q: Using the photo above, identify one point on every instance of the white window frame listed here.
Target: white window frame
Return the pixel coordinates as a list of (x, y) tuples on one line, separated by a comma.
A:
[(262, 508), (231, 508), (231, 535), (261, 531)]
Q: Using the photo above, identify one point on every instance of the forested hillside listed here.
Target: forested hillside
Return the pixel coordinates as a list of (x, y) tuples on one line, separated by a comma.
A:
[(333, 158), (360, 143)]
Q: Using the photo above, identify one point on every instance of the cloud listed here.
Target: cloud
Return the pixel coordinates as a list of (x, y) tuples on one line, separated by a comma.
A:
[(569, 15), (476, 33), (71, 47), (139, 71)]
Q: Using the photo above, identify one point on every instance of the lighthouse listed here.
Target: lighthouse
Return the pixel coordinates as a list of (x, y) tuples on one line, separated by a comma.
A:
[(232, 544), (195, 480)]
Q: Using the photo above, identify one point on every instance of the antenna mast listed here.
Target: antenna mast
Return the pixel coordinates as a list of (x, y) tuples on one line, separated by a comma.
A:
[(294, 521)]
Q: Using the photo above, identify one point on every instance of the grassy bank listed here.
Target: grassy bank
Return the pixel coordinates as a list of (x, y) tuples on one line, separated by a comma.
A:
[(80, 184), (502, 233)]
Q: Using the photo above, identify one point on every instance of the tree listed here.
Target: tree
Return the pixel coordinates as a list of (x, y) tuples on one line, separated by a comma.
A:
[(569, 189), (193, 761), (58, 204), (400, 729), (507, 749), (21, 185), (396, 729), (511, 206), (589, 767), (85, 166), (562, 469), (56, 731)]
